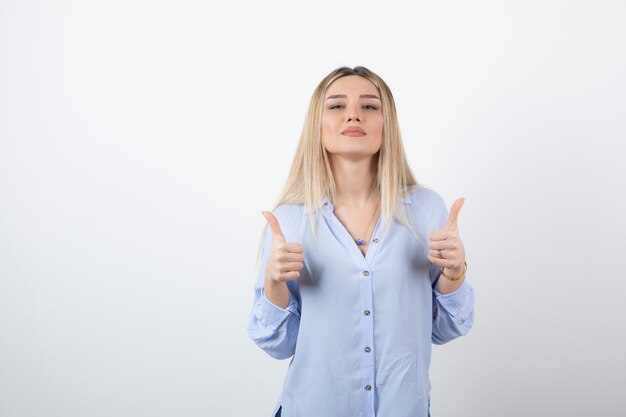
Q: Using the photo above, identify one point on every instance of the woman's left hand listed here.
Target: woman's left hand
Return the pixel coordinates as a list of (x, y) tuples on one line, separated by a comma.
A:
[(445, 247)]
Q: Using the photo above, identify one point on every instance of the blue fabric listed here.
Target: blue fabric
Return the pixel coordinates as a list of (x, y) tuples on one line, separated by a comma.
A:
[(359, 329)]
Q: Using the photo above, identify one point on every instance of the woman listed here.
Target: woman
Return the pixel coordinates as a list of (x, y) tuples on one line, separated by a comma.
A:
[(363, 269)]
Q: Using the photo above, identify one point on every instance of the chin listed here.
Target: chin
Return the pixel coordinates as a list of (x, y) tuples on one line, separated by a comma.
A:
[(352, 153)]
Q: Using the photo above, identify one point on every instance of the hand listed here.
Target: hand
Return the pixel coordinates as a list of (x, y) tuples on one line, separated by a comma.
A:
[(445, 247), (285, 259)]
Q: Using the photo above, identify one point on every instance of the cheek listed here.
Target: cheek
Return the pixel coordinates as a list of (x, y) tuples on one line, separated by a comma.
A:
[(324, 125), (325, 131), (379, 127), (329, 128), (380, 122), (328, 124)]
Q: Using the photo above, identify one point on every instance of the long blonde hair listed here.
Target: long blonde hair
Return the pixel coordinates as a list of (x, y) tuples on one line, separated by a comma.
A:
[(311, 177)]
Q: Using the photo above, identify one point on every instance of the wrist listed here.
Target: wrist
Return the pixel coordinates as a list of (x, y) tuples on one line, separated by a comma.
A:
[(273, 284), (277, 293), (269, 282), (454, 274)]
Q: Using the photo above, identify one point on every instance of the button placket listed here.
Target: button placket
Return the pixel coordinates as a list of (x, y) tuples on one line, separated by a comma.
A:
[(367, 334), (365, 271)]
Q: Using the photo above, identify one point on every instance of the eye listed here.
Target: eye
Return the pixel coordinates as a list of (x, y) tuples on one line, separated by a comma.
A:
[(336, 106), (370, 107)]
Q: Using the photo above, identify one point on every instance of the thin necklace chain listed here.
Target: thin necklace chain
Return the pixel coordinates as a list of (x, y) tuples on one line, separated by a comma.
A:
[(360, 241)]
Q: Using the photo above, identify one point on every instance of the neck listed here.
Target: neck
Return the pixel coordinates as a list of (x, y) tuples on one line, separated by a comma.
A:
[(354, 180)]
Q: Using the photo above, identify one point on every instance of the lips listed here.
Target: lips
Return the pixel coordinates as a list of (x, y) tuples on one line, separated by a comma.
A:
[(353, 131)]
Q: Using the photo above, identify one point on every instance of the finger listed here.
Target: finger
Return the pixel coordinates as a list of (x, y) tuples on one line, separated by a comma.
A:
[(292, 266), (443, 244), (440, 235), (454, 213), (436, 254), (448, 255), (294, 248), (276, 232), (446, 263), (288, 276), (289, 257)]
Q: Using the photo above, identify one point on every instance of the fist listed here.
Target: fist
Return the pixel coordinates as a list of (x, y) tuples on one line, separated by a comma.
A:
[(445, 247), (285, 259)]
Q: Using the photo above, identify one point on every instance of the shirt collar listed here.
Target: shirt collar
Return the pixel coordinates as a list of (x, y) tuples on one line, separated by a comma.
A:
[(327, 205)]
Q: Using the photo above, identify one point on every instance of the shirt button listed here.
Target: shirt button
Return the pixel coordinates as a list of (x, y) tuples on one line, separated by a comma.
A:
[(366, 273), (368, 387), (375, 240), (368, 349), (366, 312)]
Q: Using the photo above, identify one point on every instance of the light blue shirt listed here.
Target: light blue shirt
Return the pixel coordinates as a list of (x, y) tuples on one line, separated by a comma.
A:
[(360, 328)]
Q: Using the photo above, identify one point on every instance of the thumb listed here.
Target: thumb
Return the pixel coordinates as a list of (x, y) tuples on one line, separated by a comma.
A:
[(454, 213), (276, 232)]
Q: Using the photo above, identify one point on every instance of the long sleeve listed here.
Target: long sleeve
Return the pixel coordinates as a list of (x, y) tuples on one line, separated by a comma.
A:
[(360, 328), (274, 329), (453, 313)]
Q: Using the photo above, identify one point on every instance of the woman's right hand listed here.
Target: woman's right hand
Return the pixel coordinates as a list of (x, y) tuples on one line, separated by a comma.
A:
[(285, 259)]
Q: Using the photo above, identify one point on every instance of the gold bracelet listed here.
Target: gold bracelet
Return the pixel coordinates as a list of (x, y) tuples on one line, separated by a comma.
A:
[(455, 278)]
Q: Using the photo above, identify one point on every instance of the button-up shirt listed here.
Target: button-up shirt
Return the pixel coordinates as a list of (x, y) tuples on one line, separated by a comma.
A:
[(360, 328)]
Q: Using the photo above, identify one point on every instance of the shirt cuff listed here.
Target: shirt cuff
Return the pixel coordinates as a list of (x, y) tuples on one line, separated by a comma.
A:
[(271, 315), (455, 301)]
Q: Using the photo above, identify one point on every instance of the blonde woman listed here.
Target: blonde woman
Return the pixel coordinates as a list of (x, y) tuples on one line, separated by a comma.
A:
[(361, 268)]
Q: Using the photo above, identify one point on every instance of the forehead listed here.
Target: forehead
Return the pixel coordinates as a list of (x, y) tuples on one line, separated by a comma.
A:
[(352, 85)]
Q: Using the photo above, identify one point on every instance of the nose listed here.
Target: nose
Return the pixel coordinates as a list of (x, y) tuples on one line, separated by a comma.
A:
[(353, 115)]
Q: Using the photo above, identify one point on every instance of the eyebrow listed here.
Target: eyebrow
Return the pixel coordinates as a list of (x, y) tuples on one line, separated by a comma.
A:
[(345, 96)]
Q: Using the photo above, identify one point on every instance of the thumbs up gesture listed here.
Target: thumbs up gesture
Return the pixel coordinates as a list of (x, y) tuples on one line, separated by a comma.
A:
[(285, 259), (445, 247)]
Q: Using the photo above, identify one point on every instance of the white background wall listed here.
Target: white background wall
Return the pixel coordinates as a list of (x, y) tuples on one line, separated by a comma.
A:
[(140, 140)]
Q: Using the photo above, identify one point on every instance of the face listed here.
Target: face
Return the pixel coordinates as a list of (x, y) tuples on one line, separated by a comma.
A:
[(352, 119)]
